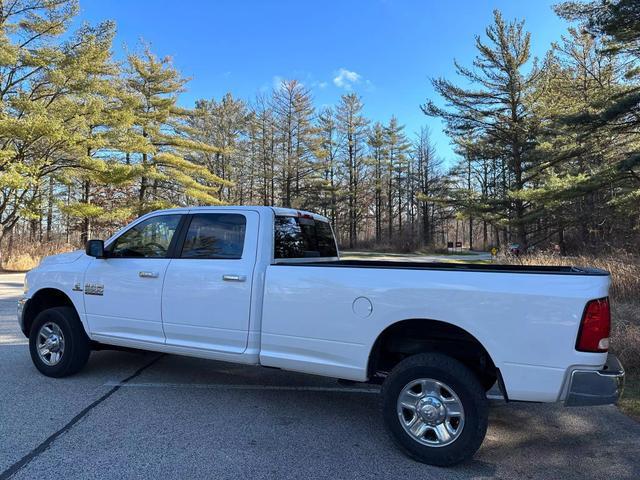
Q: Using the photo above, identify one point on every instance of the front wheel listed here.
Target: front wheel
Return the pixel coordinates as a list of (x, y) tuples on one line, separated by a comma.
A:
[(435, 408), (58, 344)]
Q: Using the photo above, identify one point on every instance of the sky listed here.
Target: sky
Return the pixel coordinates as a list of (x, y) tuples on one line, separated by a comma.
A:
[(384, 50)]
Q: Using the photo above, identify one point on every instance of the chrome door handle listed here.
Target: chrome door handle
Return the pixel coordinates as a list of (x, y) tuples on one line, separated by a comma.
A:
[(234, 278), (148, 274)]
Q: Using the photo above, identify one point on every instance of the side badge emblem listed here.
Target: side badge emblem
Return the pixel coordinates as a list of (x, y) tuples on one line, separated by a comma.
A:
[(93, 289)]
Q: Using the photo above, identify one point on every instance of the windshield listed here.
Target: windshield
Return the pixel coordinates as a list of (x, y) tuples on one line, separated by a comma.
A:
[(302, 237)]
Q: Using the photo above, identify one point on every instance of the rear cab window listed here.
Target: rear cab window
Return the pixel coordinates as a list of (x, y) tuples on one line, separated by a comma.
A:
[(303, 237), (215, 236)]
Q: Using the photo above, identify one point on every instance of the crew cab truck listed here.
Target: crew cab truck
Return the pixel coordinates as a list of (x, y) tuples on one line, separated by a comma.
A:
[(266, 286)]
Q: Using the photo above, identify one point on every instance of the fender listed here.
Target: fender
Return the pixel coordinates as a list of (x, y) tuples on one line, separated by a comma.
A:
[(67, 278)]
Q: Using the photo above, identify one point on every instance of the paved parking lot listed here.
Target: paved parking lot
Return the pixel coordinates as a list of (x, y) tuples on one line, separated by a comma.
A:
[(146, 415)]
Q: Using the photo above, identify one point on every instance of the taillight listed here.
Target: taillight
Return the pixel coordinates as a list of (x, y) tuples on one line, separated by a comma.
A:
[(593, 335)]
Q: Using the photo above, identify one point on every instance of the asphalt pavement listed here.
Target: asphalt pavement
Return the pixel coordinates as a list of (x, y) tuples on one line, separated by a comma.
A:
[(145, 415)]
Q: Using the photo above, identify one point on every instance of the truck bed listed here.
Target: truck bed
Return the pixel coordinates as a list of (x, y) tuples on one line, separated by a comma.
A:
[(323, 319), (464, 267)]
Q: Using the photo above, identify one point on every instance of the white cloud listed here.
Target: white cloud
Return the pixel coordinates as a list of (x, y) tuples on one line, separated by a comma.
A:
[(346, 78)]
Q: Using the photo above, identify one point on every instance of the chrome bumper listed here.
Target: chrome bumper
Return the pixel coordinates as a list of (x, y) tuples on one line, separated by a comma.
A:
[(596, 387)]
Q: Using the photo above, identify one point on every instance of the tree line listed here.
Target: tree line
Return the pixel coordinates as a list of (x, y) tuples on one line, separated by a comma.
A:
[(547, 149)]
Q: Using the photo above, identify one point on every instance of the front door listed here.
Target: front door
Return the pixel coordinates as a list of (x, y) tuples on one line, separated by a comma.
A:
[(206, 301), (122, 293)]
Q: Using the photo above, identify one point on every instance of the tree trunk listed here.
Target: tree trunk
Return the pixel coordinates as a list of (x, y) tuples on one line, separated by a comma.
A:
[(561, 242), (50, 209), (86, 223)]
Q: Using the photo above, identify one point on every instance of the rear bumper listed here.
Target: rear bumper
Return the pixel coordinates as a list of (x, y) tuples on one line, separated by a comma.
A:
[(596, 387)]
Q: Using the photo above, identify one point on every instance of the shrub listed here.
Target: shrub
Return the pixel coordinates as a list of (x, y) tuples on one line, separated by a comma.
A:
[(26, 256)]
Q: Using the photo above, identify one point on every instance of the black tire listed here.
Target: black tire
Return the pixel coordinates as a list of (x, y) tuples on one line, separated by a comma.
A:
[(76, 343), (463, 382)]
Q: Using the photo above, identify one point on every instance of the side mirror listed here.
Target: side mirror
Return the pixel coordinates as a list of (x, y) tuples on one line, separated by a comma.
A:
[(95, 248)]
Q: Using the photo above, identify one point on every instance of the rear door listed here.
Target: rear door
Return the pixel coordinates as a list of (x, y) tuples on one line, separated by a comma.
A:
[(206, 300)]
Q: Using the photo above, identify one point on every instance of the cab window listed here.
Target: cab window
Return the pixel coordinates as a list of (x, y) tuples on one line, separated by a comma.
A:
[(148, 239), (215, 236)]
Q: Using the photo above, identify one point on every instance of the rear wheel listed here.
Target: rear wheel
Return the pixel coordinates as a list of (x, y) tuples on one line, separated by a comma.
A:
[(58, 344), (435, 408)]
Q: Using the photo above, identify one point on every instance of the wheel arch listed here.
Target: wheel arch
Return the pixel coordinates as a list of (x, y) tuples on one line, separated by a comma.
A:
[(44, 298), (411, 336)]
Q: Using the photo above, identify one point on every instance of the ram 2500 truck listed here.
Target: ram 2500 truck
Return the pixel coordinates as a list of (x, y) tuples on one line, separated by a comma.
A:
[(266, 286)]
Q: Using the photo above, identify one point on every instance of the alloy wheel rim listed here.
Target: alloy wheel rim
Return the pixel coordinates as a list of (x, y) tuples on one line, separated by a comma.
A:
[(50, 344), (430, 412)]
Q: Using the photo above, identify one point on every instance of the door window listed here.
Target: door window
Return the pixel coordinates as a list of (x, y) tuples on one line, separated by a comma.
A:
[(215, 235), (148, 239)]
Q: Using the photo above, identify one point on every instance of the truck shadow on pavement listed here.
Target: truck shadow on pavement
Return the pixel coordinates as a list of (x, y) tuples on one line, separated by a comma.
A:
[(523, 440)]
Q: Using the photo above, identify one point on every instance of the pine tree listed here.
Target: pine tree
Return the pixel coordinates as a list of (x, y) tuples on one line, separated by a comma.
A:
[(572, 179), (100, 130), (224, 125), (328, 151), (496, 109), (352, 127), (428, 182), (33, 133), (264, 135), (170, 171), (617, 24), (396, 148), (379, 158), (293, 110)]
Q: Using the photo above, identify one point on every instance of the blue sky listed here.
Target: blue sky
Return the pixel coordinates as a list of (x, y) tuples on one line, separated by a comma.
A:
[(384, 50)]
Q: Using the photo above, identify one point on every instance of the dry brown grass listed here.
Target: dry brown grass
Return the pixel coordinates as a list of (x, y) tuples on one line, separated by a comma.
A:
[(624, 269), (630, 401), (26, 257), (625, 334)]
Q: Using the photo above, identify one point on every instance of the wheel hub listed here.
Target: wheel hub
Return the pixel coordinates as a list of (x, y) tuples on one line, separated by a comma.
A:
[(431, 410), (53, 343)]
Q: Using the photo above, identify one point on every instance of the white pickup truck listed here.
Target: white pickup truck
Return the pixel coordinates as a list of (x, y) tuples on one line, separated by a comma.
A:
[(266, 286)]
